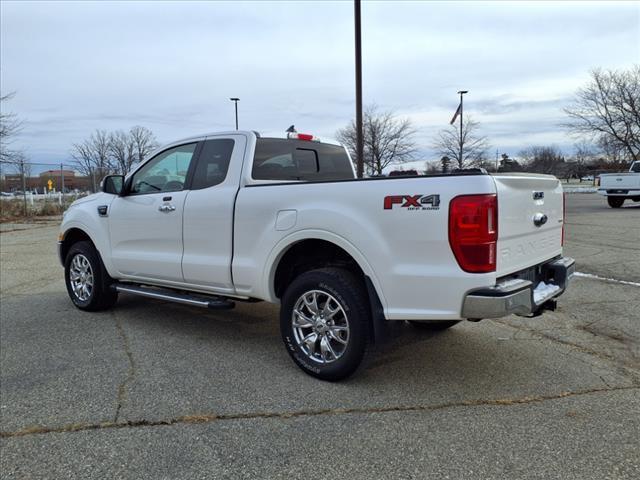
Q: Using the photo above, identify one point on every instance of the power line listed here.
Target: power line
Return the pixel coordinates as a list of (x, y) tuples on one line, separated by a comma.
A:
[(18, 162)]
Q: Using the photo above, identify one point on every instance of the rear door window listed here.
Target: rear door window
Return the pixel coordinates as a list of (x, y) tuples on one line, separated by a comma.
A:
[(213, 163), (284, 159)]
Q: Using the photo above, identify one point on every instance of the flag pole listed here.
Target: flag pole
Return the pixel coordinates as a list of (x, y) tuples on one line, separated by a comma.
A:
[(461, 92)]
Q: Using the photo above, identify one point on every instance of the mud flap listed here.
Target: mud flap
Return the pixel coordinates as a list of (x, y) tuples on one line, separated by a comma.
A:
[(382, 330)]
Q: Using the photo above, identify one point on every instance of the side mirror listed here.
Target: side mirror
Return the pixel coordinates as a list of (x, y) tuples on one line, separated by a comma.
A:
[(113, 184)]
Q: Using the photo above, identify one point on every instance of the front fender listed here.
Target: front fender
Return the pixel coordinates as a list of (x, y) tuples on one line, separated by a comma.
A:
[(85, 217)]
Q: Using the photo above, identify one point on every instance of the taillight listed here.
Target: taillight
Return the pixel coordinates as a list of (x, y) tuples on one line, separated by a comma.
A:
[(564, 216), (473, 232)]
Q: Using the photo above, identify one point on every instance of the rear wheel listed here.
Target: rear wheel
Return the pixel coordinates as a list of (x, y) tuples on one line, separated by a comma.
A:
[(325, 323), (88, 283), (433, 326), (615, 202)]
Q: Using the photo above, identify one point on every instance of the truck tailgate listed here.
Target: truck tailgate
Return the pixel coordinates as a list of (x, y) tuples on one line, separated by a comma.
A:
[(530, 218), (626, 181)]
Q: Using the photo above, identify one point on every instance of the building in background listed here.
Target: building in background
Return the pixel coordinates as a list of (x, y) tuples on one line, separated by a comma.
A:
[(12, 182)]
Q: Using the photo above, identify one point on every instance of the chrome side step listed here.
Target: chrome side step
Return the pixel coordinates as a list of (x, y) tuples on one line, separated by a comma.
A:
[(214, 303)]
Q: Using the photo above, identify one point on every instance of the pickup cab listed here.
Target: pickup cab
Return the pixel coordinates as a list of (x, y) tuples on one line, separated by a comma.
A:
[(234, 217), (618, 187)]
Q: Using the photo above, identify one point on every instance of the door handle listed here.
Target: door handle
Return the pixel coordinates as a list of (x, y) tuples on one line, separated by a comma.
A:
[(166, 208)]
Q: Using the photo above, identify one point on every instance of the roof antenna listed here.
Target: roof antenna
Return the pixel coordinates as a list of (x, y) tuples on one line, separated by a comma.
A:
[(291, 129)]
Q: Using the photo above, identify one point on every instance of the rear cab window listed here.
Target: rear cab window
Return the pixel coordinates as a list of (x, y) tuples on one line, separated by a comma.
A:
[(289, 159)]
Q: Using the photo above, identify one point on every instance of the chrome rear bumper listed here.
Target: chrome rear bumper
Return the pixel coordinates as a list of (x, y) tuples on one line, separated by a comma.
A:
[(519, 296)]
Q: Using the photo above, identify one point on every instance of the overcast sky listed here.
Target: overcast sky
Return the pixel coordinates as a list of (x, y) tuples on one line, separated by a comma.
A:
[(78, 66)]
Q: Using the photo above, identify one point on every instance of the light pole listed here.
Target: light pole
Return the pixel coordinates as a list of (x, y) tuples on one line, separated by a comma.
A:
[(359, 132), (461, 92), (235, 101)]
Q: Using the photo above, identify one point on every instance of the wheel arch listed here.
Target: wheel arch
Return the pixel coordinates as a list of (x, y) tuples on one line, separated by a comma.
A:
[(316, 249), (71, 236)]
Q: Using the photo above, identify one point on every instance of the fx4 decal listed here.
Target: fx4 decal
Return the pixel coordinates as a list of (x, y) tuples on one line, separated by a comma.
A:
[(413, 202)]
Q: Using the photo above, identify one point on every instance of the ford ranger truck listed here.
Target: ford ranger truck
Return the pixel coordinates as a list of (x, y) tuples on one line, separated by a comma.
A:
[(234, 217), (618, 187)]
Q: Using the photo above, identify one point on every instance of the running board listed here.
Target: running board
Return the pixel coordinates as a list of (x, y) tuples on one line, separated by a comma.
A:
[(214, 303)]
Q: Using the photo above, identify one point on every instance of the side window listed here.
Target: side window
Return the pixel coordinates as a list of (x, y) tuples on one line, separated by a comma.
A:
[(213, 163), (166, 172)]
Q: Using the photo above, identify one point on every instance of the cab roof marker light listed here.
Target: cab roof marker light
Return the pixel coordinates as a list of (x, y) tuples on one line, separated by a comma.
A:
[(302, 136)]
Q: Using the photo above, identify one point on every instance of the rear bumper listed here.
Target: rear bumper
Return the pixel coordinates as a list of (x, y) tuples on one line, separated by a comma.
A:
[(519, 296)]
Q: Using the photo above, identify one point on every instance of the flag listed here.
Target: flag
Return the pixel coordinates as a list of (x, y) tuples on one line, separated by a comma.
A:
[(455, 115)]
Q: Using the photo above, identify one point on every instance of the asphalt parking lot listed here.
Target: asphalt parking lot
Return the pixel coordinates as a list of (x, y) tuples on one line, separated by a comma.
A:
[(157, 390)]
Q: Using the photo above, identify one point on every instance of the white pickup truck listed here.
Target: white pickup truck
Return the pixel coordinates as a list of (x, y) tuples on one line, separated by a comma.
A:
[(618, 187), (227, 217)]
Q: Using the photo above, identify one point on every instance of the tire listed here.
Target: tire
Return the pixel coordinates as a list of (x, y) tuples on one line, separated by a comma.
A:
[(433, 326), (90, 288), (328, 341), (615, 202)]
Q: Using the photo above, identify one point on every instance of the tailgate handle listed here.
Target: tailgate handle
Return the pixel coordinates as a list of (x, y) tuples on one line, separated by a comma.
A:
[(539, 219)]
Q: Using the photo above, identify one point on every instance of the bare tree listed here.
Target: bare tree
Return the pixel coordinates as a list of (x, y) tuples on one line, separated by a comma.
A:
[(467, 150), (10, 125), (92, 156), (387, 139), (431, 167), (445, 163), (584, 155), (608, 109), (144, 142), (122, 149), (545, 159), (103, 153), (612, 151)]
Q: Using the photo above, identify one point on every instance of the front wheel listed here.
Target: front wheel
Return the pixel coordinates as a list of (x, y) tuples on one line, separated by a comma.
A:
[(88, 283), (615, 202), (325, 323)]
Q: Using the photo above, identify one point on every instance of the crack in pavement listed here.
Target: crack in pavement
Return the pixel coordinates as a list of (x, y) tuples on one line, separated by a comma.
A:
[(624, 370), (208, 418), (540, 334), (131, 371)]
